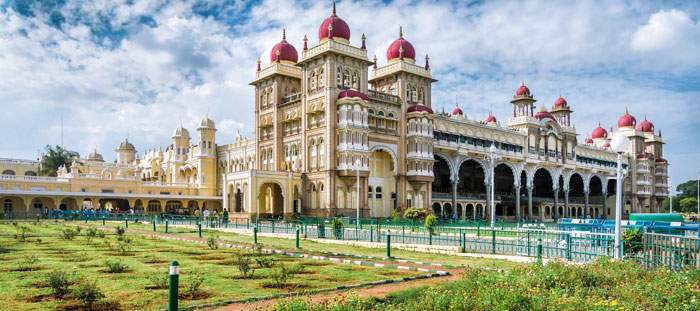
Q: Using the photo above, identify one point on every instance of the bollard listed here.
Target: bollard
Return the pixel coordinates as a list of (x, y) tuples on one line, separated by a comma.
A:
[(297, 238), (166, 225), (154, 225), (430, 232), (478, 225), (464, 243), (568, 247), (528, 244), (371, 233), (126, 221), (255, 235), (174, 283), (199, 229), (388, 245), (493, 241), (539, 249)]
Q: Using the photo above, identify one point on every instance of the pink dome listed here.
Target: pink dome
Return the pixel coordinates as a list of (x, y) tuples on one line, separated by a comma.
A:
[(340, 29), (457, 111), (645, 126), (626, 120), (283, 51), (599, 132), (419, 108), (401, 48), (490, 119), (522, 90), (643, 156), (560, 102), (661, 160), (543, 113), (352, 93), (607, 145), (589, 141)]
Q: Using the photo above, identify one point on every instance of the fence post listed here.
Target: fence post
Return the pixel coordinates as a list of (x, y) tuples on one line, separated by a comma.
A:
[(126, 221), (388, 244), (199, 229), (273, 226), (255, 235), (493, 241), (166, 225), (103, 220), (478, 226), (371, 234), (430, 232), (154, 225), (539, 249), (568, 247), (297, 238), (528, 243), (464, 243), (174, 283)]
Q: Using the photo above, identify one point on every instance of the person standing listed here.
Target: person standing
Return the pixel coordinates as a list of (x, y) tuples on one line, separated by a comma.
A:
[(206, 214)]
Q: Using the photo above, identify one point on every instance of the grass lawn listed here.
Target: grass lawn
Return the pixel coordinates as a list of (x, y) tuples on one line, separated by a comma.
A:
[(309, 246), (26, 264)]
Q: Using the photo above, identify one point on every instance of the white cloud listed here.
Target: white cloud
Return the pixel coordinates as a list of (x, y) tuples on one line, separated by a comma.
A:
[(667, 30)]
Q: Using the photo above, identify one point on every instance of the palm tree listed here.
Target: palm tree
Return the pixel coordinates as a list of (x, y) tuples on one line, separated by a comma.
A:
[(55, 158)]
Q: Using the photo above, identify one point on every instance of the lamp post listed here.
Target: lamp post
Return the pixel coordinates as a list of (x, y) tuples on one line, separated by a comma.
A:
[(358, 164), (619, 143), (492, 157)]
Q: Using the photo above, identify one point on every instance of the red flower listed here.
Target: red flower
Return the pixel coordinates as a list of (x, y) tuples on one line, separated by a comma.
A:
[(87, 294)]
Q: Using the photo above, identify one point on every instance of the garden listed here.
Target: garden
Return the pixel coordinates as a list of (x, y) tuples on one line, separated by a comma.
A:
[(64, 266)]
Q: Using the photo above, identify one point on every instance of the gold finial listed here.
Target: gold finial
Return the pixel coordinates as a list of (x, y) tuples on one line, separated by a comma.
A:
[(645, 117), (305, 39), (401, 49), (560, 94), (522, 82), (598, 123), (258, 63), (426, 57), (363, 37), (333, 8), (400, 32), (284, 35), (277, 52), (375, 58)]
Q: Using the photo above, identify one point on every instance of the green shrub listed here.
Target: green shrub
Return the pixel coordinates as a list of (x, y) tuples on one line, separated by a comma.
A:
[(159, 280), (280, 277), (120, 232), (395, 215), (415, 214), (28, 263), (114, 266), (264, 261), (193, 285), (22, 233), (337, 225), (211, 241), (243, 264), (58, 282), (78, 229), (431, 222), (297, 268), (87, 294), (252, 215), (123, 248), (68, 234), (90, 233), (632, 240)]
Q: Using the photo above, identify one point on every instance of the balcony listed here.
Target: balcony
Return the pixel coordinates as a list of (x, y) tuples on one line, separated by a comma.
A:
[(382, 96)]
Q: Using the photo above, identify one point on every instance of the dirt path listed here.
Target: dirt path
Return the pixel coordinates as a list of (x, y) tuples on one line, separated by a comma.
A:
[(378, 291)]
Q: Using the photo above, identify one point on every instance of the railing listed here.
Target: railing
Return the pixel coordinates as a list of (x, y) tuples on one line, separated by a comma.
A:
[(382, 96), (291, 98), (19, 161), (670, 251)]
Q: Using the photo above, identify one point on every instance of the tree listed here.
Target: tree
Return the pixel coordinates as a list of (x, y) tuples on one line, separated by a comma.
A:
[(689, 205), (55, 158), (688, 189)]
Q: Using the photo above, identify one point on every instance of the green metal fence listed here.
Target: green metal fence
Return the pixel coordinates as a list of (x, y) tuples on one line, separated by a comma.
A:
[(671, 251)]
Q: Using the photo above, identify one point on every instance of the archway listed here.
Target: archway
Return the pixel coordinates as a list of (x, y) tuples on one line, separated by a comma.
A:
[(238, 203), (8, 172), (542, 191), (470, 211), (153, 206), (576, 192), (447, 209), (441, 171), (504, 190), (436, 208), (471, 180), (382, 181), (595, 193), (270, 200)]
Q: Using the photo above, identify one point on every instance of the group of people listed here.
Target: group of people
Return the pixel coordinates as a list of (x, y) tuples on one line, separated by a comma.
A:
[(205, 214)]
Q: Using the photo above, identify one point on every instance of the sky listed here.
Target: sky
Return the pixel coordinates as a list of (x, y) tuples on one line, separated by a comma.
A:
[(116, 69)]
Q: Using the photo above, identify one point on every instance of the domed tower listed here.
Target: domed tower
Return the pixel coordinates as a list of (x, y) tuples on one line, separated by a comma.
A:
[(95, 157), (126, 153), (181, 144), (562, 111), (206, 157), (523, 103), (599, 136)]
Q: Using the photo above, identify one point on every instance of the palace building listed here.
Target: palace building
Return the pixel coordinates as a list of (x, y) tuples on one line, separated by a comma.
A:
[(334, 132)]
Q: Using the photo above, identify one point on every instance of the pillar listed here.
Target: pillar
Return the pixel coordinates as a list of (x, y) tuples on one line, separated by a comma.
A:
[(605, 203), (556, 203), (517, 203), (455, 181), (227, 200), (586, 209), (487, 208), (567, 212), (529, 203)]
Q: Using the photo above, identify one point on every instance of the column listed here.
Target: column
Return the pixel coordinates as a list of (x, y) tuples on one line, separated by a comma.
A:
[(529, 203), (517, 203), (455, 181), (227, 201), (605, 208), (487, 208), (567, 212), (556, 203), (586, 209)]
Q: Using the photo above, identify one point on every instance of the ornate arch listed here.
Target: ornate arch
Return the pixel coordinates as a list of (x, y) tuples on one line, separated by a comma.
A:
[(554, 175), (516, 171), (387, 148), (270, 181), (447, 159), (481, 163)]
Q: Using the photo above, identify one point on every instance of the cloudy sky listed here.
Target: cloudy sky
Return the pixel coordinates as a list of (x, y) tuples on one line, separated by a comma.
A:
[(138, 68)]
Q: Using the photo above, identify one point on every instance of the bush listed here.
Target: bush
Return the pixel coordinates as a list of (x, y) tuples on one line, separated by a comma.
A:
[(193, 285), (78, 229), (58, 282), (68, 234), (395, 215), (632, 240), (22, 233), (244, 267), (90, 234), (280, 277), (252, 215), (28, 264), (211, 242), (297, 268), (415, 214), (158, 280), (337, 225), (264, 262), (87, 294), (123, 248), (114, 266), (120, 232), (431, 222)]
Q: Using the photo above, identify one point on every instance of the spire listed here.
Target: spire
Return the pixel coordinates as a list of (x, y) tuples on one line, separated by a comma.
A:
[(522, 82), (258, 70), (333, 9), (305, 40), (626, 111), (400, 32), (375, 62), (427, 62), (645, 117), (284, 35), (364, 47)]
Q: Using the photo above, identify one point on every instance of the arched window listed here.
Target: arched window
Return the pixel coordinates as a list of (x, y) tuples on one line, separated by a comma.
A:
[(8, 172), (269, 96), (354, 79), (408, 92), (320, 146), (313, 147), (378, 192), (286, 91), (30, 173), (264, 98), (7, 206), (294, 150), (346, 78), (339, 77), (321, 78), (312, 80), (390, 115), (420, 95), (286, 152), (414, 94), (294, 90), (380, 113), (370, 111)]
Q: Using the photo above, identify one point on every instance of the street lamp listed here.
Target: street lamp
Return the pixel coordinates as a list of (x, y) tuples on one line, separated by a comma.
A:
[(619, 143), (358, 165), (492, 157)]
